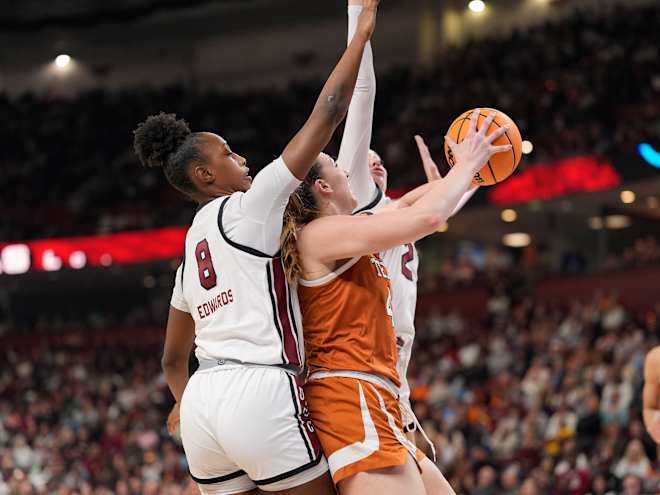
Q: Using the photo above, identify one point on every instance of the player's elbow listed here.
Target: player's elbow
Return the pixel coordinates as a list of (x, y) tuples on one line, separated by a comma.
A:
[(170, 362), (430, 221)]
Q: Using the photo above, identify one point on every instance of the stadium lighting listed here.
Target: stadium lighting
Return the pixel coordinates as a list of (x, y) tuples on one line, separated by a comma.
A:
[(649, 153), (595, 223), (477, 6), (516, 240), (617, 221), (50, 261), (509, 215), (15, 259), (105, 259), (77, 260), (627, 197), (527, 147), (62, 61), (652, 202)]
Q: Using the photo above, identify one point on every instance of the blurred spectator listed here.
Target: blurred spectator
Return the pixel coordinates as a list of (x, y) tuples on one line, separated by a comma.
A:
[(69, 168), (634, 462)]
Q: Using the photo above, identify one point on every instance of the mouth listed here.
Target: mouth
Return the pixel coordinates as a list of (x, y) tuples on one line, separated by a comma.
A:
[(378, 171)]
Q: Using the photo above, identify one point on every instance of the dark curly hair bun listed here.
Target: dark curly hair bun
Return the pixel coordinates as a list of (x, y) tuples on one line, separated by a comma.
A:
[(158, 137)]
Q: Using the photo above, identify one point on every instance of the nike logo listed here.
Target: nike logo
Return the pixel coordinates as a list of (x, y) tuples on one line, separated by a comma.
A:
[(359, 450)]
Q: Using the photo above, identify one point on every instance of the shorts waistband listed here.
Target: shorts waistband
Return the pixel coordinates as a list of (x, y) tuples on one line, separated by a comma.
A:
[(209, 364), (358, 375)]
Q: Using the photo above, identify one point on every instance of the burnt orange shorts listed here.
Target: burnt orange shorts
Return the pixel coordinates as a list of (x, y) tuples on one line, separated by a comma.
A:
[(359, 425)]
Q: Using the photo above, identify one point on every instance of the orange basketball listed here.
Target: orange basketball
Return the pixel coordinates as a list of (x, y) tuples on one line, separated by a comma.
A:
[(500, 165)]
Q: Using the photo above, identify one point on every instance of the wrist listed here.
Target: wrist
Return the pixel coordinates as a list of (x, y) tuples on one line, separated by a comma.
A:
[(360, 37)]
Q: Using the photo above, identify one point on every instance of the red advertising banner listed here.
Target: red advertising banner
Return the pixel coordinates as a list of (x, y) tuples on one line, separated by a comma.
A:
[(78, 252), (552, 180)]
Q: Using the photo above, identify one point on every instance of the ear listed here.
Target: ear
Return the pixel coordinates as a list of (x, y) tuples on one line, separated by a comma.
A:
[(322, 187), (204, 174)]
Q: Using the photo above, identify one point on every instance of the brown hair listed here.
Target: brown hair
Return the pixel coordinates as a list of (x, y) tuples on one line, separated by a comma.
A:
[(300, 210)]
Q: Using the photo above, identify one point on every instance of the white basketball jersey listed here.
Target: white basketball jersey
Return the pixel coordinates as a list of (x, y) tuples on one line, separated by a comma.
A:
[(238, 297), (402, 263)]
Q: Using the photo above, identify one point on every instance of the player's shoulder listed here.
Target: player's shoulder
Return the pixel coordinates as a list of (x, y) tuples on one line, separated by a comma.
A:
[(654, 355), (652, 361)]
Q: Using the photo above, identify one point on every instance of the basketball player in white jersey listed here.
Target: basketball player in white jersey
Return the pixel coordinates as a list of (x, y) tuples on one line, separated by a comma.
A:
[(368, 182), (244, 422)]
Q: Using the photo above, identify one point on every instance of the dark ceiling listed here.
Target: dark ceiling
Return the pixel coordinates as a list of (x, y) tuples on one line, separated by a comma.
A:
[(30, 15)]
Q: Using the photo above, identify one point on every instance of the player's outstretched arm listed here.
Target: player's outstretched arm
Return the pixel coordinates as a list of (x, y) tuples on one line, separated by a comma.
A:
[(355, 142), (651, 394), (432, 173), (334, 237), (333, 102)]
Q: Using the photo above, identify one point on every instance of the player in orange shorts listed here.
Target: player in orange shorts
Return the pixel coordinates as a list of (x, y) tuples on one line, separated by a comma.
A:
[(345, 298)]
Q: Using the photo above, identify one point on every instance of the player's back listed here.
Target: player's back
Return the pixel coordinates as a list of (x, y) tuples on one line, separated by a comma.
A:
[(238, 297), (347, 320)]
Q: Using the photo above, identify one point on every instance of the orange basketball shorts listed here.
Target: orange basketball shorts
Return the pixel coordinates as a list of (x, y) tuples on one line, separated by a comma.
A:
[(358, 424)]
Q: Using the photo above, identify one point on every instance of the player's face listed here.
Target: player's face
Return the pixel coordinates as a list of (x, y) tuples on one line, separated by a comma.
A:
[(229, 169), (337, 179), (378, 170)]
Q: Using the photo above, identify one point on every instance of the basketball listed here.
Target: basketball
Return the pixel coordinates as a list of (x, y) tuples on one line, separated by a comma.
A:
[(501, 165)]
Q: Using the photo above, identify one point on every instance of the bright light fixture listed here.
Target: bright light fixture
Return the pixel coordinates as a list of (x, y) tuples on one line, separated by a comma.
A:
[(627, 197), (477, 6), (617, 221), (77, 260), (516, 240), (596, 223), (527, 147), (62, 60), (652, 202), (509, 215)]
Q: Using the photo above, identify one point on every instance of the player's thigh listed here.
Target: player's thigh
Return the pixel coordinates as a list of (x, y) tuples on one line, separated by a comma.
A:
[(388, 481), (211, 467), (267, 430), (319, 486), (434, 481)]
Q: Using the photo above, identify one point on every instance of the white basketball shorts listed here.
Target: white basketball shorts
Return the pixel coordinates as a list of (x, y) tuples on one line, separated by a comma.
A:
[(405, 351), (246, 427)]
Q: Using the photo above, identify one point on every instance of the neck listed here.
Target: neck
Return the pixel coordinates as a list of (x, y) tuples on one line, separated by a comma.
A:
[(330, 208), (206, 196)]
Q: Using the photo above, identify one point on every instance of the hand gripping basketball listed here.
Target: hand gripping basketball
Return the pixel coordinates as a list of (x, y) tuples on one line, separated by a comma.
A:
[(477, 147)]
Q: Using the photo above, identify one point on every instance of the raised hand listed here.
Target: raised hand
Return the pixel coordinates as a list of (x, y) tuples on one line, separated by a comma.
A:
[(430, 168), (477, 147), (367, 20)]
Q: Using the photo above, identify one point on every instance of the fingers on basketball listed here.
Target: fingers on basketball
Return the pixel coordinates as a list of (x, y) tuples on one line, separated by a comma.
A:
[(502, 164)]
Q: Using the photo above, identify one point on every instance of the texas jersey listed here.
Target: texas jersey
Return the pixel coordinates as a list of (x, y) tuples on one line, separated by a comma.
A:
[(402, 263), (348, 324), (238, 296)]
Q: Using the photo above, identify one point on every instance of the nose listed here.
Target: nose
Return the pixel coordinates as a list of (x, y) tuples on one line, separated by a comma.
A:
[(241, 159)]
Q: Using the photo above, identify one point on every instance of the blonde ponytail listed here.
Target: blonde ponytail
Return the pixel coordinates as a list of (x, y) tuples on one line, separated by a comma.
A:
[(300, 210)]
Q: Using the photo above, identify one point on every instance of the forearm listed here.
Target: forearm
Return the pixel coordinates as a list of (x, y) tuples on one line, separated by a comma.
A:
[(335, 98), (176, 376), (329, 110), (464, 199), (354, 149), (440, 198)]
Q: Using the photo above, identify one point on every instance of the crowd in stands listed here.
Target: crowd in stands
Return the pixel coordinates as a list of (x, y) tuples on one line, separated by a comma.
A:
[(585, 85), (529, 398), (538, 398)]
